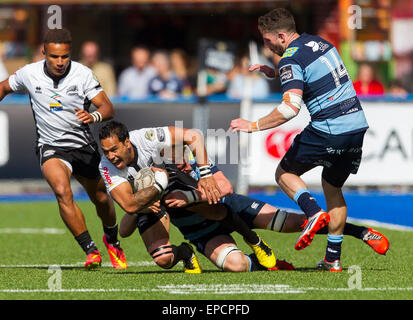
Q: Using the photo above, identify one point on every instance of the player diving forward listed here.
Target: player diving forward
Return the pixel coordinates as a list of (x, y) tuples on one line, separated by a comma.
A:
[(125, 153), (214, 241), (61, 93)]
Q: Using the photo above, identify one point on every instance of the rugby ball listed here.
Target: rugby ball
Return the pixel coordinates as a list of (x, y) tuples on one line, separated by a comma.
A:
[(144, 178)]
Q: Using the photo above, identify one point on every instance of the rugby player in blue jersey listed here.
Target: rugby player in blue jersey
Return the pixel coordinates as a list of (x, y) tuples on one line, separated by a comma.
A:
[(313, 74)]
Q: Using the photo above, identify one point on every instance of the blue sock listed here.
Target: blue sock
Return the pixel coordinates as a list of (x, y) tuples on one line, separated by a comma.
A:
[(306, 202), (333, 250)]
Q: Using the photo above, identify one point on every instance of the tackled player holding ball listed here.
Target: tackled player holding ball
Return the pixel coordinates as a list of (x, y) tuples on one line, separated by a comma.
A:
[(126, 153), (312, 73)]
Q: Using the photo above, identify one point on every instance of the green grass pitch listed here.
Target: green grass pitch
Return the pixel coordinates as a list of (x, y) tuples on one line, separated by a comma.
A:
[(26, 272)]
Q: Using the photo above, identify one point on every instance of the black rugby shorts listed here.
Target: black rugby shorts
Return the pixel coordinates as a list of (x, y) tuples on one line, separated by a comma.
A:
[(340, 155), (84, 161)]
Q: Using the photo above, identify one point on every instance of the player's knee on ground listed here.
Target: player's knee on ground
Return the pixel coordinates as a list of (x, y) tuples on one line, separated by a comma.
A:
[(232, 259), (163, 257)]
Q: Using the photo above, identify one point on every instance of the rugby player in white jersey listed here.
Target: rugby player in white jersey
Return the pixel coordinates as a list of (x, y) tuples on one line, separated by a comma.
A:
[(61, 92), (125, 153)]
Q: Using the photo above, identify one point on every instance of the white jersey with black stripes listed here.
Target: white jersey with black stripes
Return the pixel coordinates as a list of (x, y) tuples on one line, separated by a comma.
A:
[(53, 102)]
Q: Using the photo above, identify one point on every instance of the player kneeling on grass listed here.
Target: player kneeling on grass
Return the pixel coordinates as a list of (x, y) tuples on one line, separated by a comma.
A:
[(185, 203), (125, 153), (255, 213)]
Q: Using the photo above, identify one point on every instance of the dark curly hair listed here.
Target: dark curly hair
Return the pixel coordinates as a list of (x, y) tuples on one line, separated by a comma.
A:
[(279, 19), (58, 36), (114, 129)]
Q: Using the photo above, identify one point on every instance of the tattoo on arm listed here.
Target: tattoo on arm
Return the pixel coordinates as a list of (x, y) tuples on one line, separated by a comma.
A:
[(145, 197)]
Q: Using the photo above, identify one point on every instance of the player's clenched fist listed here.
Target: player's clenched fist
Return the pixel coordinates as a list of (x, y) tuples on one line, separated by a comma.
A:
[(240, 125), (83, 116)]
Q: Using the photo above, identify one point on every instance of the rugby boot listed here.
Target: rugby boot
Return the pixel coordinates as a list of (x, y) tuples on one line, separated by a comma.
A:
[(334, 266), (191, 265), (376, 241), (116, 255), (93, 260), (282, 265), (264, 254), (314, 223)]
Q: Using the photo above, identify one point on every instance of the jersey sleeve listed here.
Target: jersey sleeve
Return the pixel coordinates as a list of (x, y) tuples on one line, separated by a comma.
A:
[(158, 138), (110, 175), (17, 81), (92, 86), (291, 75)]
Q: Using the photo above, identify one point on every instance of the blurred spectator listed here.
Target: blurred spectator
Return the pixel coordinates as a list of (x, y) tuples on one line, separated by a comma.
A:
[(179, 63), (165, 84), (3, 71), (89, 56), (238, 88), (134, 80), (396, 89), (216, 81), (366, 82)]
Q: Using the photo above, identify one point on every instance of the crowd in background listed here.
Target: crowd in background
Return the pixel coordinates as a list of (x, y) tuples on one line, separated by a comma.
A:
[(169, 75)]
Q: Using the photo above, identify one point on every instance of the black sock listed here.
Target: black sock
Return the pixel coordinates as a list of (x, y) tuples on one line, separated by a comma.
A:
[(234, 222), (255, 265), (333, 250), (355, 231), (181, 252), (111, 233), (86, 242), (349, 230), (307, 203)]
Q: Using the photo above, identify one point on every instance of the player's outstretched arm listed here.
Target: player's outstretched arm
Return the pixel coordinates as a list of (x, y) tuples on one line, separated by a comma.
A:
[(288, 109), (268, 71), (193, 139), (5, 89), (104, 111)]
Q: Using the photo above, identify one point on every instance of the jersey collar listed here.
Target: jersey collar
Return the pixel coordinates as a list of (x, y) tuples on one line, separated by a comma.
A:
[(56, 79)]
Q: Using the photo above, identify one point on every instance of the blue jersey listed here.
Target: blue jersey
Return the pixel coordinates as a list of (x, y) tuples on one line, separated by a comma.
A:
[(313, 65)]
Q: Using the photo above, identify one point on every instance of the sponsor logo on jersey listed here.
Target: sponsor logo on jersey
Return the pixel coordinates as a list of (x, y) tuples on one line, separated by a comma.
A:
[(55, 106), (255, 205), (107, 176), (161, 134), (72, 90), (48, 153), (289, 52), (56, 97), (38, 89), (315, 46), (286, 73), (150, 135)]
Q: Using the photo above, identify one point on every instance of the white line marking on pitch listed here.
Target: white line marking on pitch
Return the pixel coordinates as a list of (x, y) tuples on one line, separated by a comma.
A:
[(209, 289), (75, 265), (32, 231)]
